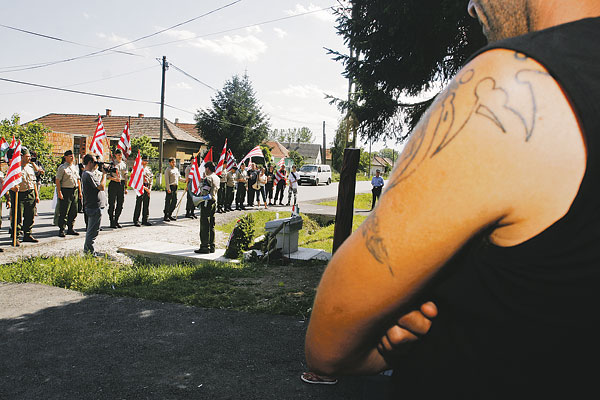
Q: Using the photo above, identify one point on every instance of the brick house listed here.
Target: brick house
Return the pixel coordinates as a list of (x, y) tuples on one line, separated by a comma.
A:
[(75, 131)]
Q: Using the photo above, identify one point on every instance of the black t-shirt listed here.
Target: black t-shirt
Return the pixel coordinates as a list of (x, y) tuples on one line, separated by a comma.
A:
[(89, 185), (252, 177)]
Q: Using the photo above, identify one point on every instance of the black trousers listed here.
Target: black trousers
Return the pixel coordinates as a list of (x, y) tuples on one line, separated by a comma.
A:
[(170, 200), (142, 204), (207, 224), (260, 192), (228, 197), (221, 196), (376, 193), (67, 208), (241, 193), (269, 190), (279, 191), (116, 194), (25, 211), (189, 205), (251, 194)]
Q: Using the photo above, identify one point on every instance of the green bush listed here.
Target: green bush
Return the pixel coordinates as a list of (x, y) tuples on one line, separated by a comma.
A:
[(241, 237), (46, 192)]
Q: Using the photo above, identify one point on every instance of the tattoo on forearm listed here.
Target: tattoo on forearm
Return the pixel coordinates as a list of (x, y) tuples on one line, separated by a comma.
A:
[(442, 123)]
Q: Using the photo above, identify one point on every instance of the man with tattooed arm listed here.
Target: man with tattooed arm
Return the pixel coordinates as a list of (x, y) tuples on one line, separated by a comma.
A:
[(493, 213)]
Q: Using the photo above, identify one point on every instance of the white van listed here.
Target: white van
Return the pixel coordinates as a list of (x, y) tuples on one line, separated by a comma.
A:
[(315, 174)]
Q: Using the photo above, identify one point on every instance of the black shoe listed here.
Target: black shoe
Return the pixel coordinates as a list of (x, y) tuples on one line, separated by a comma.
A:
[(113, 225), (1, 251), (30, 239), (118, 225), (202, 251), (194, 216), (172, 218), (287, 205), (166, 218), (136, 223), (212, 250), (146, 223), (280, 203), (61, 233), (72, 232), (242, 208)]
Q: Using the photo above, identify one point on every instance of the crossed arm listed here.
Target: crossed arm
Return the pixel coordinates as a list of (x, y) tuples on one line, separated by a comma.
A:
[(477, 159)]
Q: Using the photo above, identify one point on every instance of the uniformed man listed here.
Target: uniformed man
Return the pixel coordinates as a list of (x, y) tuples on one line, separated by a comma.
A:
[(221, 194), (189, 204), (27, 200), (7, 200), (209, 193), (117, 189), (68, 187), (241, 178), (142, 203), (230, 188), (171, 180)]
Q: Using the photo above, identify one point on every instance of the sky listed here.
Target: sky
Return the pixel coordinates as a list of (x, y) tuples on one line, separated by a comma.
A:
[(286, 60)]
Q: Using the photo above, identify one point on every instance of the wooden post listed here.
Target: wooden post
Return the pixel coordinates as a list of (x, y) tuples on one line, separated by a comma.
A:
[(14, 224), (345, 206)]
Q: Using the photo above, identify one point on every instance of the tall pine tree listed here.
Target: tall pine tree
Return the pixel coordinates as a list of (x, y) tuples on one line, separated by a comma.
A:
[(235, 115)]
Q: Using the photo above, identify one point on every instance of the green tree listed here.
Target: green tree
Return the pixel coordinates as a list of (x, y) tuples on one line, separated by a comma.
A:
[(292, 135), (143, 144), (296, 158), (34, 137), (363, 163), (399, 49), (235, 115), (338, 146), (388, 153), (267, 154)]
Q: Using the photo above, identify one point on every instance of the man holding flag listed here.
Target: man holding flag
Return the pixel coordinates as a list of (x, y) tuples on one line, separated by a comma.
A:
[(141, 180), (117, 189), (189, 205), (221, 173), (28, 198)]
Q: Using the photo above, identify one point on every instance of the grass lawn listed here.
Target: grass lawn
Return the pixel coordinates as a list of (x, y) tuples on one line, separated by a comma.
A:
[(274, 289), (362, 201), (251, 287)]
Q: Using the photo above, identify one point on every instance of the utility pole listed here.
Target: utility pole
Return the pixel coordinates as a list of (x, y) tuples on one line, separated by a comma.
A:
[(370, 141), (165, 66), (324, 145)]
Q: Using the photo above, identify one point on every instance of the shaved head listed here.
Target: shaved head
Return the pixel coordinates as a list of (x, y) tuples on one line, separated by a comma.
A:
[(503, 19)]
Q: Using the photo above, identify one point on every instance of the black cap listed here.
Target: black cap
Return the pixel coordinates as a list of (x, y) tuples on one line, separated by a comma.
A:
[(68, 153), (118, 151), (144, 158)]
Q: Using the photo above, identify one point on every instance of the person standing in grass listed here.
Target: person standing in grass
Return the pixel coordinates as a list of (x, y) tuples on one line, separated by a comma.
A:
[(377, 183)]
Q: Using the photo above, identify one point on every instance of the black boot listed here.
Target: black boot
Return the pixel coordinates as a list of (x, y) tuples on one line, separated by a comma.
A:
[(113, 223), (166, 218)]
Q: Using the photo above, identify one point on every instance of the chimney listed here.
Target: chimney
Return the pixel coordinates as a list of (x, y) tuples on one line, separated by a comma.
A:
[(108, 112), (176, 121), (140, 115)]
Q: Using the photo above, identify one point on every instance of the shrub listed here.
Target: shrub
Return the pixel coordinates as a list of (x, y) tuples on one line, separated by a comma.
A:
[(241, 237)]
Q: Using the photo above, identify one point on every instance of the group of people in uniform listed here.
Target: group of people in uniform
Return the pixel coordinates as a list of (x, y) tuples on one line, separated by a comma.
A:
[(245, 185)]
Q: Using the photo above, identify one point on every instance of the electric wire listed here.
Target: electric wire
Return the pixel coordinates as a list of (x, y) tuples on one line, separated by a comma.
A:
[(42, 65)]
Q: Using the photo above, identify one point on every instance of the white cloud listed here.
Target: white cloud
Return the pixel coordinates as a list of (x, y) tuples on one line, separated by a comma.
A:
[(280, 32), (254, 29), (117, 40), (183, 85), (325, 15), (302, 91), (241, 48), (86, 15)]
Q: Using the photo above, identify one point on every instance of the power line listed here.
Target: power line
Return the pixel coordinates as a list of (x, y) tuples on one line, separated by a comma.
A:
[(191, 77), (87, 82), (42, 65), (238, 28)]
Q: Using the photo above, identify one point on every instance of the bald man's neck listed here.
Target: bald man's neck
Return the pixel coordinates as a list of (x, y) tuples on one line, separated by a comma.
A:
[(549, 13)]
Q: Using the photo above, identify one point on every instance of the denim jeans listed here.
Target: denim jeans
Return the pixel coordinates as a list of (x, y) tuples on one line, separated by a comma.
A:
[(94, 216)]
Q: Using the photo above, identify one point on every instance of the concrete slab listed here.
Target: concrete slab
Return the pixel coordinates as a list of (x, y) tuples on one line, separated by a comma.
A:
[(306, 254), (173, 252)]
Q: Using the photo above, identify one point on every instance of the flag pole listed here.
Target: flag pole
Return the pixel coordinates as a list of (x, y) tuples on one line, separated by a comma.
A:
[(179, 204), (15, 228)]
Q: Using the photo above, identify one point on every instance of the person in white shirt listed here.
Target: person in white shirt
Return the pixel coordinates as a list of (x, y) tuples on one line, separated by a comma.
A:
[(293, 182)]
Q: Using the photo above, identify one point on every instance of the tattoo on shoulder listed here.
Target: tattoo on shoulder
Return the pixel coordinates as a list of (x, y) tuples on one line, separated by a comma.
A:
[(442, 123)]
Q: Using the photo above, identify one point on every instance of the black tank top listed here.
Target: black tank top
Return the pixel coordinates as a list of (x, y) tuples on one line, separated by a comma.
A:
[(522, 321)]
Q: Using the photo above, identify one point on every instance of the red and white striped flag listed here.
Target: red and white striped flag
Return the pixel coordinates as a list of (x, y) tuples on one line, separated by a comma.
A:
[(221, 163), (97, 146), (207, 158), (13, 175), (279, 175), (136, 180), (255, 152), (230, 161), (195, 177), (280, 163), (125, 142)]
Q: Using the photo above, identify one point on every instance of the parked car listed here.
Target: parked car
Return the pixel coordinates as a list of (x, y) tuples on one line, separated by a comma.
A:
[(315, 174)]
